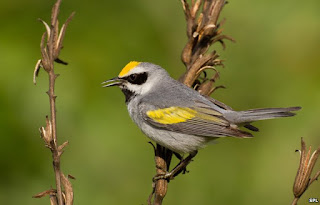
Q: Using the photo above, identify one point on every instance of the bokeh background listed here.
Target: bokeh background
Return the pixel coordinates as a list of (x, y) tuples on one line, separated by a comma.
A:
[(275, 62)]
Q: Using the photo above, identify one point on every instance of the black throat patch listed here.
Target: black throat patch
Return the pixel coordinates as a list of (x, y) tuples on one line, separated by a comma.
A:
[(128, 94)]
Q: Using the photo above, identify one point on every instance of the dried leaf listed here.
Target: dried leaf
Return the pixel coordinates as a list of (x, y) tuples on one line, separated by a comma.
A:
[(195, 8), (55, 12), (186, 9), (62, 34), (36, 71), (45, 193), (46, 133), (206, 68), (53, 200), (316, 176), (61, 147), (45, 57), (199, 25), (55, 37), (58, 60), (215, 10), (47, 28), (68, 190), (215, 88)]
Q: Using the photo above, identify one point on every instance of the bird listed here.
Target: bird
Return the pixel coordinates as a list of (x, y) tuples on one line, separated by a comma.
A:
[(178, 117)]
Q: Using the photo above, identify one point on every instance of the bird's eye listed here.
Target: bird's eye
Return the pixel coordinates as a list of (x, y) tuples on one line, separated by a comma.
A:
[(138, 78), (132, 78)]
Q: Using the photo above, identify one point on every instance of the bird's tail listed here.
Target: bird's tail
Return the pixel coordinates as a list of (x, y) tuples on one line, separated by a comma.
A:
[(264, 114)]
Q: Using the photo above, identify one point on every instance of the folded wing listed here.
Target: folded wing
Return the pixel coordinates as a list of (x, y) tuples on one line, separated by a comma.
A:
[(197, 120)]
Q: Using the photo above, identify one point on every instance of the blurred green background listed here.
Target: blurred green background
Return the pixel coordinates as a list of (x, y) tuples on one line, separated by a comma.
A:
[(275, 62)]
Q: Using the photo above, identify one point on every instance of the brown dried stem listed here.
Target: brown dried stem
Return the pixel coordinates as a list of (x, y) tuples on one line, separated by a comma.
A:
[(162, 159), (203, 30), (51, 45), (303, 178)]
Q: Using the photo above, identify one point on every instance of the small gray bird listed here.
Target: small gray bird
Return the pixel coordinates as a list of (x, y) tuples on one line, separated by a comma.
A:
[(178, 117)]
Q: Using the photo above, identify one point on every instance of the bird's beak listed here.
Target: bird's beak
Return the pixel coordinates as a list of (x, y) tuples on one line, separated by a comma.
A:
[(112, 82)]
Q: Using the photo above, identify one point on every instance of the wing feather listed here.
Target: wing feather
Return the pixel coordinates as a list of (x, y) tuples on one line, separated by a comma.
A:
[(199, 120)]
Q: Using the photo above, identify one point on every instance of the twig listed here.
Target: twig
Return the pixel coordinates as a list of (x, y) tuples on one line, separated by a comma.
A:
[(162, 159), (51, 45), (295, 201), (203, 30)]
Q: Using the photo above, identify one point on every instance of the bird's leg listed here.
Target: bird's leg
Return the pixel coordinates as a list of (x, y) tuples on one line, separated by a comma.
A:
[(182, 166), (178, 169), (180, 158)]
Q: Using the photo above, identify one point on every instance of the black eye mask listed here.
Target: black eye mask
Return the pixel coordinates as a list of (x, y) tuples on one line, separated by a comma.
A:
[(137, 79)]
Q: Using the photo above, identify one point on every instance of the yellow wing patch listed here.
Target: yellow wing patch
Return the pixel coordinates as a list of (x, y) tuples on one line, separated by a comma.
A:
[(172, 115), (128, 67)]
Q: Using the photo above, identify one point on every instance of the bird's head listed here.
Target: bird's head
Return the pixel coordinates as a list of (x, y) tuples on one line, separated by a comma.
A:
[(137, 78)]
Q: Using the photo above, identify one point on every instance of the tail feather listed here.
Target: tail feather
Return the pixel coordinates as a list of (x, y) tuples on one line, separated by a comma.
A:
[(264, 114)]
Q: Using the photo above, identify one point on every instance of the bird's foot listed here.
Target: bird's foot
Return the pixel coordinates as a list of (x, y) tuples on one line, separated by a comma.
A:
[(180, 168)]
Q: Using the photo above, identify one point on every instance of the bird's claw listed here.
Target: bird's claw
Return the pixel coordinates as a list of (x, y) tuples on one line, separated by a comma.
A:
[(166, 176)]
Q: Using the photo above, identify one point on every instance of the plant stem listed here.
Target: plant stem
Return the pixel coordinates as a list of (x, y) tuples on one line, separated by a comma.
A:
[(55, 152), (295, 201), (162, 159), (203, 30)]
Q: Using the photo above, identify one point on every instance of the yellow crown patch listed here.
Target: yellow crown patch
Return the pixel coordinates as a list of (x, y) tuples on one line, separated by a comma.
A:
[(128, 67)]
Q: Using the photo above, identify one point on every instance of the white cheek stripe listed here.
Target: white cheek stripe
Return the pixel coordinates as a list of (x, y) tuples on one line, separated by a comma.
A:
[(140, 89)]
